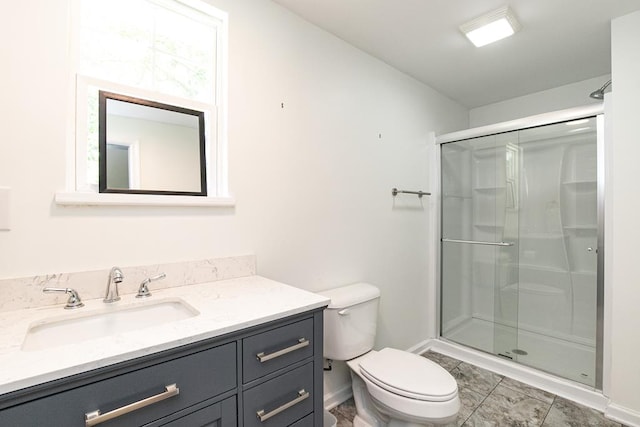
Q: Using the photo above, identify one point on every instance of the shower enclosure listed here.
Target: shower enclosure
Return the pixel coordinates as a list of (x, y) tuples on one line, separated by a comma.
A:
[(520, 246)]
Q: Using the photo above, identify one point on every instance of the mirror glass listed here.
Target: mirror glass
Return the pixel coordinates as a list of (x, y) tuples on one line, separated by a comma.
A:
[(147, 147)]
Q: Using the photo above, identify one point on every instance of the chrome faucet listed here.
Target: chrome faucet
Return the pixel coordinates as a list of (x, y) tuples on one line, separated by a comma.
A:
[(74, 300), (115, 277), (143, 290)]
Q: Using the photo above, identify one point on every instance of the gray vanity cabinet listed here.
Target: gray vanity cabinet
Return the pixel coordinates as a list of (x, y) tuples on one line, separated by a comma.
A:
[(269, 376)]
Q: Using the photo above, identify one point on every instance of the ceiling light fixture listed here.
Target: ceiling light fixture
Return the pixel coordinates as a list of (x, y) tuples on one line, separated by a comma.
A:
[(491, 27)]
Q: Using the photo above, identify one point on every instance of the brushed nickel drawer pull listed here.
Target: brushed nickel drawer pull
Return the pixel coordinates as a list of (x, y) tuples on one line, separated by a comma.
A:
[(302, 342), (94, 418), (302, 395)]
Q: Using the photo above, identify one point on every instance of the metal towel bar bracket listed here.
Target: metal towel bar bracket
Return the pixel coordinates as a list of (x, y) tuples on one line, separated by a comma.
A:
[(395, 192)]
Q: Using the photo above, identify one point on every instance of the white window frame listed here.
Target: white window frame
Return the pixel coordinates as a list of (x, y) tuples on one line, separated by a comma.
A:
[(77, 191)]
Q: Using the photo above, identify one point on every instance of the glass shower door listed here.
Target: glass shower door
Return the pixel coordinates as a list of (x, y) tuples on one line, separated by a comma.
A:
[(558, 242), (519, 251), (479, 243)]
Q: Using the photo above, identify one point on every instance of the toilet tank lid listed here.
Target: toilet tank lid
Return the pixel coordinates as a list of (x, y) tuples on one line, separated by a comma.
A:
[(347, 296)]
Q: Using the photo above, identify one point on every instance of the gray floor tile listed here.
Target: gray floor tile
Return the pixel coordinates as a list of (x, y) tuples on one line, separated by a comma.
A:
[(507, 407), (469, 402), (448, 363), (528, 390), (565, 413), (342, 421), (476, 379), (345, 412)]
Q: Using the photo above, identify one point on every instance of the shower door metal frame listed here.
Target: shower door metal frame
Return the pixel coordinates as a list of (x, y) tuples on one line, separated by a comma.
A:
[(594, 110), (600, 191)]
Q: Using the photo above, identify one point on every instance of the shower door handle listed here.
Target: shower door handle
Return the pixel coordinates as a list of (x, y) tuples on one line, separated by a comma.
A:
[(478, 242)]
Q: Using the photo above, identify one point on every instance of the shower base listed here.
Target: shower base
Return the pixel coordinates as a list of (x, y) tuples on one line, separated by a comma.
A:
[(560, 357)]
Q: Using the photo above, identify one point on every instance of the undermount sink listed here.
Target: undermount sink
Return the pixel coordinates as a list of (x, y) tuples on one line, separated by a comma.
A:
[(104, 322)]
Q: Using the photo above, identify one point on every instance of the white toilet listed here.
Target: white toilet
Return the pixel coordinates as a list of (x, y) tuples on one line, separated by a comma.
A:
[(390, 387)]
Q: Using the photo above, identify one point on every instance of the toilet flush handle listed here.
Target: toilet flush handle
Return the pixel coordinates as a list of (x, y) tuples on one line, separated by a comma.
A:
[(344, 312)]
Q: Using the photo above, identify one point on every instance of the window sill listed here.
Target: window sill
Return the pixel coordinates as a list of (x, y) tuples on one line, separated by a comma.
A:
[(104, 199)]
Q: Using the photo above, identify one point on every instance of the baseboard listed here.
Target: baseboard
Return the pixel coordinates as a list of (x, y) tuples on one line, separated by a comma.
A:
[(331, 400), (622, 415), (421, 347)]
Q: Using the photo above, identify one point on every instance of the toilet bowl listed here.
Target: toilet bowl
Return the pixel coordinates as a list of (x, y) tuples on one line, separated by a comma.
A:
[(406, 387), (390, 387)]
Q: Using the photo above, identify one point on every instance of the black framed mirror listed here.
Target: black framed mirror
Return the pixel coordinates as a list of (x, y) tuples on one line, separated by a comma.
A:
[(146, 147)]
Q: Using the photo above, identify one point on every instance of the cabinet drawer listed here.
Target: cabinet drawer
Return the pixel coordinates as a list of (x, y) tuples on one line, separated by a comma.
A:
[(305, 422), (198, 377), (280, 401), (275, 349), (221, 414)]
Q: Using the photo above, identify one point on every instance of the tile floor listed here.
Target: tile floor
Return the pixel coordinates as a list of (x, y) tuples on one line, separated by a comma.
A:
[(489, 399)]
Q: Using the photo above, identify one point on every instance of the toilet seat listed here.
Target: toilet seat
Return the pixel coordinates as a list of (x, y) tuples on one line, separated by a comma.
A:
[(409, 375)]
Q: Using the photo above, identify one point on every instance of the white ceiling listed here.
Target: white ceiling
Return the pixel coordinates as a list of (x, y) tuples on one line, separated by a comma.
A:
[(561, 41)]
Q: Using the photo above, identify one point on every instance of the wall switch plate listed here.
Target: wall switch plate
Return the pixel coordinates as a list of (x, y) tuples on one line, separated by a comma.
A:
[(4, 209)]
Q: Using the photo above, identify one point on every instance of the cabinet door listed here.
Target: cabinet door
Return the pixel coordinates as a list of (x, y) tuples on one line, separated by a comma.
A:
[(222, 414)]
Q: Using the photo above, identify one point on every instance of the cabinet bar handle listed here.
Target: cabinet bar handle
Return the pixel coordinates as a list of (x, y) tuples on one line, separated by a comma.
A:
[(95, 418), (302, 395), (302, 342)]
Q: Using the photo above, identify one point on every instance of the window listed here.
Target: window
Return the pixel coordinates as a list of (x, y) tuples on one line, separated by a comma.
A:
[(162, 46), (168, 51)]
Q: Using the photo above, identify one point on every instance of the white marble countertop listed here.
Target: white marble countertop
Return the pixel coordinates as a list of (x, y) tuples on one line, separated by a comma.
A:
[(224, 306)]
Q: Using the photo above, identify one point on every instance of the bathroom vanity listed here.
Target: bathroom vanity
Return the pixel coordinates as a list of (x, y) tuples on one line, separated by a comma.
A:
[(252, 356)]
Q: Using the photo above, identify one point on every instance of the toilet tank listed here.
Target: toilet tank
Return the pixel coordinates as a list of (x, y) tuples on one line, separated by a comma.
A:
[(350, 321)]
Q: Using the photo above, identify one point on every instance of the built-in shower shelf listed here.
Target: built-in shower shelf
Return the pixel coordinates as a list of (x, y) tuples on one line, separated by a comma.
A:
[(489, 189), (489, 226), (580, 227), (539, 267), (534, 288), (583, 273), (581, 185), (542, 236), (456, 196)]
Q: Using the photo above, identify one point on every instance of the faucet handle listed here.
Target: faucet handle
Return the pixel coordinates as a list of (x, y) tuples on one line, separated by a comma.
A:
[(143, 290), (74, 300)]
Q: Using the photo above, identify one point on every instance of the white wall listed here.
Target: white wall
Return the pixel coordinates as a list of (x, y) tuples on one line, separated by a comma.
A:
[(559, 98), (312, 180), (625, 208)]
